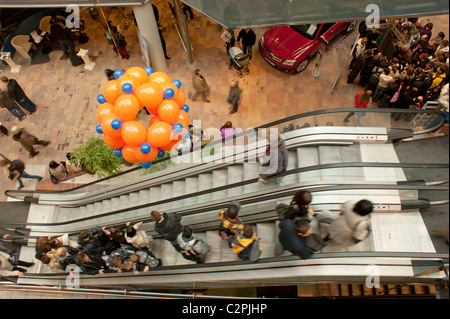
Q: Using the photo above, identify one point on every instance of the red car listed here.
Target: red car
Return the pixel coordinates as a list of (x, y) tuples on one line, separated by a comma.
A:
[(290, 48)]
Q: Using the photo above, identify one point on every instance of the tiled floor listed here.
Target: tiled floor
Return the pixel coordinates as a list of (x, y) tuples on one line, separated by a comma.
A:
[(66, 95)]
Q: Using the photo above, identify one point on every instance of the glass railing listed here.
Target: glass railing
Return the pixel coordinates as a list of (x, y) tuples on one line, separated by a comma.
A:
[(415, 121)]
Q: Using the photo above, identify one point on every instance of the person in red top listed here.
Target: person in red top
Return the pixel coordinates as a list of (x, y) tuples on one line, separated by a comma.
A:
[(361, 100)]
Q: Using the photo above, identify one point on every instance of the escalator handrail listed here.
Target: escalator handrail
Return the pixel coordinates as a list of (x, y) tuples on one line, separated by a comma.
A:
[(251, 131)]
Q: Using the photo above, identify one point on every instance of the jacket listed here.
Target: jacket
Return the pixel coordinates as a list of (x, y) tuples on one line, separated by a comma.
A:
[(349, 227), (170, 227), (227, 226), (92, 246), (234, 95), (14, 90), (6, 269), (6, 101), (92, 268), (291, 240), (25, 138), (199, 83), (246, 248), (141, 240)]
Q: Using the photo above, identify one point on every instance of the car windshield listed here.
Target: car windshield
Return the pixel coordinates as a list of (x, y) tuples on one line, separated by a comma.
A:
[(306, 30)]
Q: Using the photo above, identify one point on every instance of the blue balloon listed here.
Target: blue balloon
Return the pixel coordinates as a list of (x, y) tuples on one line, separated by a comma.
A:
[(101, 99), (185, 108), (149, 70), (118, 73), (116, 124), (118, 152), (177, 83), (161, 154), (145, 148), (127, 88), (177, 127), (169, 93), (146, 164), (99, 129)]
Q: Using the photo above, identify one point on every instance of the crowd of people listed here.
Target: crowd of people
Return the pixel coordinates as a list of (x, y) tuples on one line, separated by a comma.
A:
[(416, 73), (129, 248)]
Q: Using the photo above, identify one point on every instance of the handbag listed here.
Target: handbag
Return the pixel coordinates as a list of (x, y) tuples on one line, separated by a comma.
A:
[(314, 242), (14, 259)]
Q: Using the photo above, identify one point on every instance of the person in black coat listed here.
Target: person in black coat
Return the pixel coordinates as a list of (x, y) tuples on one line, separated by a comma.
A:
[(59, 31), (91, 264), (291, 240), (18, 95), (90, 242), (168, 226), (248, 38)]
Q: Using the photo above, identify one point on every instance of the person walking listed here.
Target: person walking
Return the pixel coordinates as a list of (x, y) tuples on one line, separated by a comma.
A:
[(234, 96), (168, 226), (18, 95), (119, 43), (16, 170), (291, 239), (275, 159), (248, 38), (8, 103), (59, 31), (353, 224), (27, 140), (361, 100), (200, 85)]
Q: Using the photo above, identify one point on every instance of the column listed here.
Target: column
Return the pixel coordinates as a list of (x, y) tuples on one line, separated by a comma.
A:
[(6, 56), (88, 64), (146, 22)]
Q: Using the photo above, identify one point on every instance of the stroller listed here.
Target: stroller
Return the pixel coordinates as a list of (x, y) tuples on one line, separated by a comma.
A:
[(239, 60)]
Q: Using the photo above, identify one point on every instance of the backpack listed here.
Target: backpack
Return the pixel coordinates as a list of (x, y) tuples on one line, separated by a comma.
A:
[(314, 242)]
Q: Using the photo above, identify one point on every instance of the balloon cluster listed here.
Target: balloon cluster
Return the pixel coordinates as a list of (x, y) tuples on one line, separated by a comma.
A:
[(121, 101)]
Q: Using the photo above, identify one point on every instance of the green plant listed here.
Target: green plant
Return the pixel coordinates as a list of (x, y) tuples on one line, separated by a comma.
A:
[(96, 158), (157, 167)]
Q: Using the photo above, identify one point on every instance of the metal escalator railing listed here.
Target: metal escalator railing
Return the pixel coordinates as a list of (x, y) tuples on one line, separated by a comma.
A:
[(371, 117), (278, 191)]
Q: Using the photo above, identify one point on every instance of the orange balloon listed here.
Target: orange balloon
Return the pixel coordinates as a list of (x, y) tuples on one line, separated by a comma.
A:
[(134, 133), (127, 79), (128, 154), (154, 119), (159, 134), (171, 146), (127, 107), (152, 110), (113, 142), (106, 125), (184, 117), (180, 99), (167, 85), (138, 73), (112, 91), (103, 110), (146, 157), (169, 111), (159, 77), (149, 95)]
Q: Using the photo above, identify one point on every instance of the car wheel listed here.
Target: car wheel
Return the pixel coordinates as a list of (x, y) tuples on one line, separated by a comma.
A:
[(350, 27), (302, 65)]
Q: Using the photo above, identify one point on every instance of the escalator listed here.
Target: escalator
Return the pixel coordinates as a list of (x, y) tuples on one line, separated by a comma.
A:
[(334, 163)]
